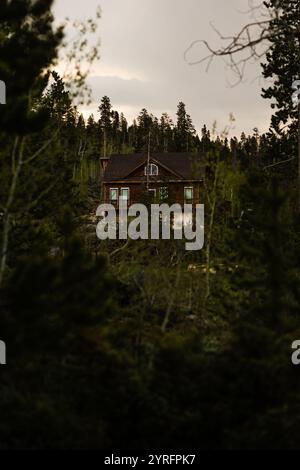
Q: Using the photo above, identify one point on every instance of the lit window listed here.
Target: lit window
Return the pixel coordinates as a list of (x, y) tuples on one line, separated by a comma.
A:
[(114, 192), (163, 193), (124, 194), (188, 194), (152, 193), (152, 170)]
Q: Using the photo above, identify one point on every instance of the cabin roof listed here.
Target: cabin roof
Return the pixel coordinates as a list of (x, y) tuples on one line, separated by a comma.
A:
[(184, 166)]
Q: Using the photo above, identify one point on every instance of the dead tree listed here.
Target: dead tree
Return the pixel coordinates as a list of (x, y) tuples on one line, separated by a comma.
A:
[(252, 42)]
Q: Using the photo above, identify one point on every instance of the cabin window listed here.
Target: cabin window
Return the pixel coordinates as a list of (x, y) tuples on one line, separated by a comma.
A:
[(124, 194), (163, 193), (114, 192), (152, 193), (188, 195), (152, 170)]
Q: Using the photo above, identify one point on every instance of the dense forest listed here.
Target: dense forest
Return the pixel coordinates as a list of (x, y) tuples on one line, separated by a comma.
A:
[(144, 345)]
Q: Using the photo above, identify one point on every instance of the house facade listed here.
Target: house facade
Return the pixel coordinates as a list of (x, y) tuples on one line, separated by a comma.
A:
[(167, 177)]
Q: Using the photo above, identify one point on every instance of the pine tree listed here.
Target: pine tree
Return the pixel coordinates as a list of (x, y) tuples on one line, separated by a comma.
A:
[(234, 147), (105, 123), (133, 135), (283, 61), (283, 66), (145, 124), (123, 131), (166, 133), (28, 44), (28, 47), (57, 99), (205, 140), (185, 130), (93, 139)]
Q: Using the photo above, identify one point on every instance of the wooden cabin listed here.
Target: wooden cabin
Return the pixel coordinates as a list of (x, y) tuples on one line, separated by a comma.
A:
[(164, 177)]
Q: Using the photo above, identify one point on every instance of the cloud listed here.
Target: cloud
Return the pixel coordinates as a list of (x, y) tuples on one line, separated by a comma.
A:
[(142, 60), (131, 92)]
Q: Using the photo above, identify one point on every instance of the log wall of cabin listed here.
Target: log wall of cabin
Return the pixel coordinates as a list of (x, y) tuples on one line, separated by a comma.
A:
[(137, 191), (137, 181)]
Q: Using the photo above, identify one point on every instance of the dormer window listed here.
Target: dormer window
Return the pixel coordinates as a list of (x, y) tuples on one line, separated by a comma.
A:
[(188, 195), (152, 170)]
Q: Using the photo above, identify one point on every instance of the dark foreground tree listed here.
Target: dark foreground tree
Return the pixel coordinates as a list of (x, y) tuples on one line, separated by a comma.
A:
[(28, 46)]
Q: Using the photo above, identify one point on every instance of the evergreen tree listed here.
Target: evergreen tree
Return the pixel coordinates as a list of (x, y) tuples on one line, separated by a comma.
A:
[(133, 135), (105, 123), (93, 138), (166, 133), (283, 61), (28, 44), (144, 129), (283, 67), (205, 139), (185, 130), (28, 47), (123, 131)]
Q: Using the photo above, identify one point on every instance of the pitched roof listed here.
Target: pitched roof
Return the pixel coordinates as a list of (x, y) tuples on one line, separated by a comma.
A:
[(184, 165)]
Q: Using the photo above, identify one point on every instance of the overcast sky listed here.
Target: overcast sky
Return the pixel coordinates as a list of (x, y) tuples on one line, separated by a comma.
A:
[(142, 60)]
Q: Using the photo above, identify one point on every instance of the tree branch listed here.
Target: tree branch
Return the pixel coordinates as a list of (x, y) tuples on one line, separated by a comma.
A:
[(248, 40)]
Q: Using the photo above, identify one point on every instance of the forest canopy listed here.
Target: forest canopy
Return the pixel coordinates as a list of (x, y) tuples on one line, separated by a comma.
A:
[(147, 345)]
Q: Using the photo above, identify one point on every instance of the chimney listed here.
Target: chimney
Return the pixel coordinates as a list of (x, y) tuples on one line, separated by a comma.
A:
[(104, 162)]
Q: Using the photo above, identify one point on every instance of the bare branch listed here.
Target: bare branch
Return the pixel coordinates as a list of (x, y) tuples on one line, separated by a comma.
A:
[(123, 247), (41, 149), (252, 42), (279, 163)]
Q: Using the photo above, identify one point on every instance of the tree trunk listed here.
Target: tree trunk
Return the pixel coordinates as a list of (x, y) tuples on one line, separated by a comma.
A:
[(7, 209), (299, 154)]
